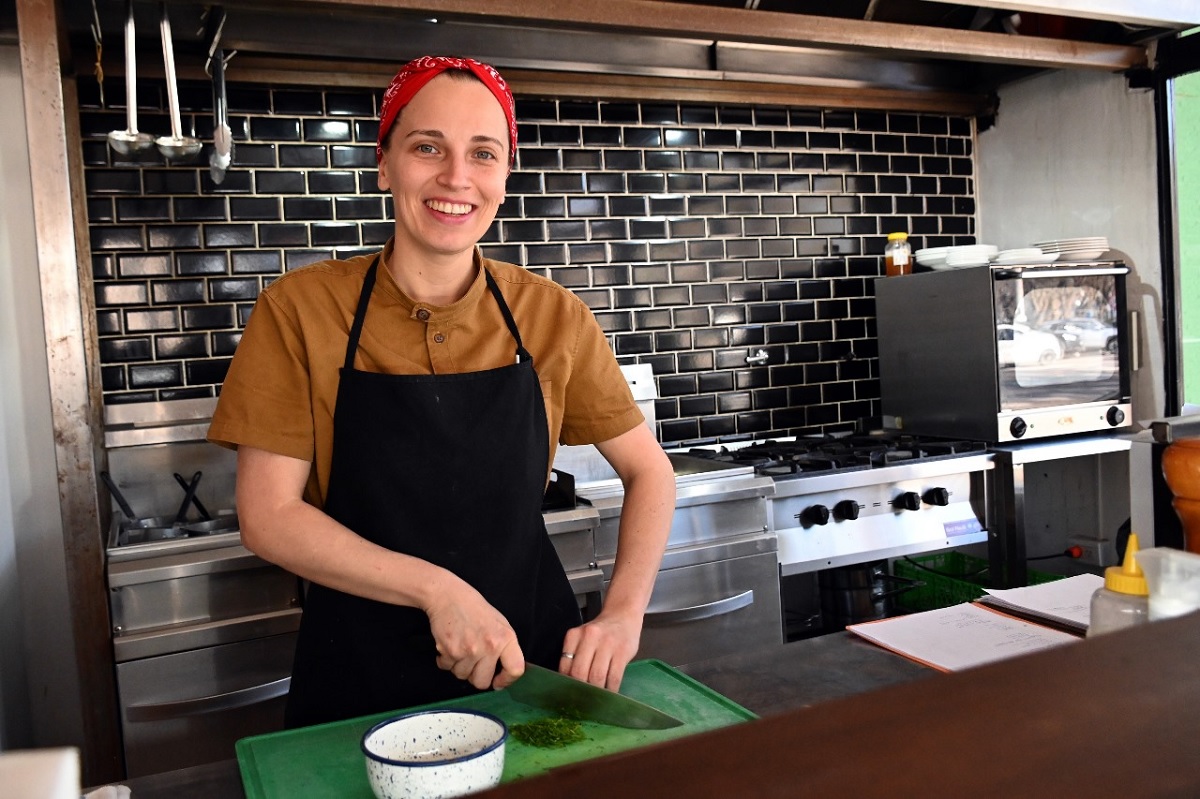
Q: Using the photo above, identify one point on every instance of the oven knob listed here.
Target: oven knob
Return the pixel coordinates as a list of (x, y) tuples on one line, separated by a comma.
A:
[(1018, 428), (1115, 416), (847, 509), (814, 514), (936, 496), (909, 500)]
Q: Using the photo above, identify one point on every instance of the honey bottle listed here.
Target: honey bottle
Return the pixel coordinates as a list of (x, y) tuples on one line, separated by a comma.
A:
[(897, 255)]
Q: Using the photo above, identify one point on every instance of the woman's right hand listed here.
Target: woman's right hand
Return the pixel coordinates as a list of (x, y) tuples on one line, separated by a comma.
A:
[(474, 641)]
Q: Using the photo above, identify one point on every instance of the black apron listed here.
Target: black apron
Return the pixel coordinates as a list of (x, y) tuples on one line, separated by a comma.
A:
[(450, 469)]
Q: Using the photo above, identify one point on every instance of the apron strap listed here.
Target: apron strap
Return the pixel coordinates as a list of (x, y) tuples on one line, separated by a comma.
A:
[(364, 298), (360, 314), (522, 353)]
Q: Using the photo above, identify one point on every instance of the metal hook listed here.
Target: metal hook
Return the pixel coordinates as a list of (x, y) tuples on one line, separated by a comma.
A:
[(98, 37)]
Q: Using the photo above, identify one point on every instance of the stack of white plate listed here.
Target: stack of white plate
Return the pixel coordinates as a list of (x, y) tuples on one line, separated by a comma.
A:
[(1024, 255), (932, 257), (970, 255), (1075, 249)]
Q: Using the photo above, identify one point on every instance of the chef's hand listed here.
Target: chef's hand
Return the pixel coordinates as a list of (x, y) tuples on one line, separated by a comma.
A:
[(474, 641), (601, 649)]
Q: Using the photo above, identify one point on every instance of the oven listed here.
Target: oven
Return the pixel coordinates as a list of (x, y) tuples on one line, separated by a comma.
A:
[(203, 638), (1007, 353), (842, 506), (203, 630), (717, 590)]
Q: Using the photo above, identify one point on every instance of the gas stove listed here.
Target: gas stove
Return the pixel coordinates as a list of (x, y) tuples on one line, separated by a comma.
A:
[(843, 500), (797, 457)]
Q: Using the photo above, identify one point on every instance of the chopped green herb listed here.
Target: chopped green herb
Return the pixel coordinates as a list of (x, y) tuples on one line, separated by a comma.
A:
[(551, 733)]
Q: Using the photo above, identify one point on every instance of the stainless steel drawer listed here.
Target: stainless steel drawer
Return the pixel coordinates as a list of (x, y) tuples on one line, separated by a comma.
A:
[(703, 513), (196, 587), (712, 609), (189, 708)]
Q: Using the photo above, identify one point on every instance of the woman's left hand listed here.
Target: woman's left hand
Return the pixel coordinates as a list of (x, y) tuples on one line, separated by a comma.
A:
[(599, 651)]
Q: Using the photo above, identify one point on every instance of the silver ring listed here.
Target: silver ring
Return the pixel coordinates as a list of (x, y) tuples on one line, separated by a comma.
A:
[(569, 655)]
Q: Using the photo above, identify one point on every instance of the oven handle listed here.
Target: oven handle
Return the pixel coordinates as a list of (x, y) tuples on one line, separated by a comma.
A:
[(1135, 341), (162, 711), (1018, 274), (697, 612)]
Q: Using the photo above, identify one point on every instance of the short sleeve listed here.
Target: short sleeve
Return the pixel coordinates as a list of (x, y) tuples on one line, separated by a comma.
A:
[(598, 404), (266, 400)]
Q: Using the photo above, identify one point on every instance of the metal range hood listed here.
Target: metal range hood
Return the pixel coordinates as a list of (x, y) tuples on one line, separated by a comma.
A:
[(396, 38), (673, 43)]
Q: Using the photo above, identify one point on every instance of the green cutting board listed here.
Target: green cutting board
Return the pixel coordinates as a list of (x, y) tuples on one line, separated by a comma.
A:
[(325, 760)]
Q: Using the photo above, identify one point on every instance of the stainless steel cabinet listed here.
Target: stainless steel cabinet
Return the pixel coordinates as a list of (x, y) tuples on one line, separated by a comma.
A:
[(714, 600), (186, 708)]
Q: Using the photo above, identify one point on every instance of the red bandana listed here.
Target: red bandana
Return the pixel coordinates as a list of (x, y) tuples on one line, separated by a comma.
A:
[(415, 74)]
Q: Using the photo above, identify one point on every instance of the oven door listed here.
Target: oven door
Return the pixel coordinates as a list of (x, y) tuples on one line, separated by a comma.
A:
[(713, 600), (1063, 349), (189, 708)]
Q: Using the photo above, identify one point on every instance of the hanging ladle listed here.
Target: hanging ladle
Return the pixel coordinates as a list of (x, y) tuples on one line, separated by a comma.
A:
[(130, 141), (175, 147)]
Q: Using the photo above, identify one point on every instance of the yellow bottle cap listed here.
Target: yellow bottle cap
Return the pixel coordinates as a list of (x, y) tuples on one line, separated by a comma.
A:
[(897, 236), (1127, 578)]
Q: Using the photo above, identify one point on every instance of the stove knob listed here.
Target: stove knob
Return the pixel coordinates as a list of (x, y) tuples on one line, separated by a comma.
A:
[(1115, 416), (909, 500), (814, 514), (936, 496), (847, 509), (1018, 428)]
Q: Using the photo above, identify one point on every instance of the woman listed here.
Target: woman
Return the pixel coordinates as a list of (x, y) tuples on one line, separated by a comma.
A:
[(394, 417)]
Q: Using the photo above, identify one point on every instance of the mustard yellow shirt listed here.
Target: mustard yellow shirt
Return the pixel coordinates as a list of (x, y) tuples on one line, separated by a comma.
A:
[(281, 388)]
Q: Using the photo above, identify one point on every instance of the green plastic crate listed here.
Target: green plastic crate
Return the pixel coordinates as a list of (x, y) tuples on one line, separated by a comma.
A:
[(950, 578)]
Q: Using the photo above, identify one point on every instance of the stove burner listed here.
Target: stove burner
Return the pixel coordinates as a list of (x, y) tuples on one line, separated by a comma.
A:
[(828, 454)]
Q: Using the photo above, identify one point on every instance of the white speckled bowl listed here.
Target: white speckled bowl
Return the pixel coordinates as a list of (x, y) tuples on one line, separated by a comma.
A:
[(435, 754)]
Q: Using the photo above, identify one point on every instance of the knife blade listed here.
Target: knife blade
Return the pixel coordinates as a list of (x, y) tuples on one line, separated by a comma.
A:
[(558, 693)]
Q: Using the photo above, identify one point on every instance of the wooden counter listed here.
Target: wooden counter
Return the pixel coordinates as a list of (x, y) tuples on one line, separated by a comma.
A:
[(1113, 715)]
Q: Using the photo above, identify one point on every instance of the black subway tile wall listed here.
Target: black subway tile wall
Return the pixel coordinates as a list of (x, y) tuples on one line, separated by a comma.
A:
[(732, 248)]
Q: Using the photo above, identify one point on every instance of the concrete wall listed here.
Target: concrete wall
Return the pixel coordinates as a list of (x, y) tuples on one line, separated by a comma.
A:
[(1073, 154), (39, 702)]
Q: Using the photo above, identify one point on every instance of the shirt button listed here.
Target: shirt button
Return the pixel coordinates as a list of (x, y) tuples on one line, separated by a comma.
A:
[(439, 338), (423, 315)]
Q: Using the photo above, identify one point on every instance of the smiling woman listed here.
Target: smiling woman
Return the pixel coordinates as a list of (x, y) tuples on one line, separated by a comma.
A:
[(396, 416), (443, 160)]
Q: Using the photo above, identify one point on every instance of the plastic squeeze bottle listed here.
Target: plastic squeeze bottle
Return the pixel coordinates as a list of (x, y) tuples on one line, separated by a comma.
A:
[(1124, 600)]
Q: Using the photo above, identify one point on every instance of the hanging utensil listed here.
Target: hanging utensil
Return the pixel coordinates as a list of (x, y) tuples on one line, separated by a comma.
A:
[(98, 38), (130, 141), (175, 147), (222, 154)]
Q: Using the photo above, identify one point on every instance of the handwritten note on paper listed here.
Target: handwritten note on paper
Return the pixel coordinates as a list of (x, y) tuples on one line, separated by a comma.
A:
[(1066, 601), (960, 637)]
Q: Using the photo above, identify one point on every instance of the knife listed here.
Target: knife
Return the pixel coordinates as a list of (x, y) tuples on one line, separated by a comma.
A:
[(558, 693)]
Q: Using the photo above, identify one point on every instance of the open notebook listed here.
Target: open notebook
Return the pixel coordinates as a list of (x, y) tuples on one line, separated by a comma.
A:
[(974, 633)]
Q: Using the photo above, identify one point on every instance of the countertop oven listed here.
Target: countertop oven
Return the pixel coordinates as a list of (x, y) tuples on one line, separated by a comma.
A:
[(1006, 353)]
